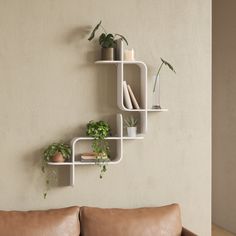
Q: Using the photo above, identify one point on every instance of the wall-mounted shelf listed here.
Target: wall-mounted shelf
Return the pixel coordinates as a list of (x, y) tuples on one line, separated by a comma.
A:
[(143, 85), (119, 137)]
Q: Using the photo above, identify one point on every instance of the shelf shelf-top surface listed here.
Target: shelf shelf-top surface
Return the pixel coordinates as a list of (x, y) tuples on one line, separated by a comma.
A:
[(60, 163), (118, 62), (78, 163), (94, 162), (91, 138), (133, 138), (108, 62), (108, 138), (157, 110)]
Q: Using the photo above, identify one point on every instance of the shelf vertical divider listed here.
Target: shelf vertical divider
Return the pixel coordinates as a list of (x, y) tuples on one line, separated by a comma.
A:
[(120, 75), (72, 167), (143, 114), (119, 148), (120, 94)]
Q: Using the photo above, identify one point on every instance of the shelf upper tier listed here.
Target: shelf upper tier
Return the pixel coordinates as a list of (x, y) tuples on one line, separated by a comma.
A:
[(120, 62)]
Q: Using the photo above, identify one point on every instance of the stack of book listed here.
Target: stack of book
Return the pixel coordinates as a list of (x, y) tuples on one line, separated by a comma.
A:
[(88, 157), (129, 99)]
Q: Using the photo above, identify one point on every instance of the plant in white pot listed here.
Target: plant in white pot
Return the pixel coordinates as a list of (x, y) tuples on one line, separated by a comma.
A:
[(131, 125), (107, 41)]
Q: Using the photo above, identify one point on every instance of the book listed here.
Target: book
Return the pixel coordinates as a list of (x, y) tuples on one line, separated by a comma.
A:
[(133, 99), (127, 100), (90, 156)]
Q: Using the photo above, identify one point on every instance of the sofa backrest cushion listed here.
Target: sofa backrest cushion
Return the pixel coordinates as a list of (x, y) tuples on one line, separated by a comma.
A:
[(56, 222), (158, 221)]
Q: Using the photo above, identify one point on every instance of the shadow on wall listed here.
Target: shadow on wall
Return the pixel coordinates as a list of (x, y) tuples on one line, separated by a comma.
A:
[(34, 160), (88, 53), (78, 38)]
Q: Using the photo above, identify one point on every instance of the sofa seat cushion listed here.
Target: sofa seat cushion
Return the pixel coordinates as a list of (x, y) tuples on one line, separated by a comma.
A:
[(56, 222), (158, 221)]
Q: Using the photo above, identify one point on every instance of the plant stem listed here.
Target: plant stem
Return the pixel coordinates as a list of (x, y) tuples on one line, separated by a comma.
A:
[(103, 29), (154, 88)]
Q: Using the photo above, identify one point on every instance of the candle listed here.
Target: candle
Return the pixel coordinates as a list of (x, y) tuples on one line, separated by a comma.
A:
[(129, 55)]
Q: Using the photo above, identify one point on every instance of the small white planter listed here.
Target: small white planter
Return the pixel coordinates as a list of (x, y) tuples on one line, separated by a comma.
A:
[(132, 131)]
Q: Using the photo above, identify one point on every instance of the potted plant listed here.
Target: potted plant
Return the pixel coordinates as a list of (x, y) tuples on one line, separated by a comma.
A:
[(156, 87), (107, 41), (99, 131), (131, 125), (57, 152)]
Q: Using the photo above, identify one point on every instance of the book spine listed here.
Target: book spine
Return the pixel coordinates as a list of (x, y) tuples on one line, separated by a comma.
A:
[(133, 98), (127, 100)]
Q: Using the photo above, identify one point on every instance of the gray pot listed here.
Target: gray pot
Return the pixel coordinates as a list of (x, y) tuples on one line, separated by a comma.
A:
[(108, 54)]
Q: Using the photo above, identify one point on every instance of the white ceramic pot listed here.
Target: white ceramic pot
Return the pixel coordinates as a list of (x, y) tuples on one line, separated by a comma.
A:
[(132, 131)]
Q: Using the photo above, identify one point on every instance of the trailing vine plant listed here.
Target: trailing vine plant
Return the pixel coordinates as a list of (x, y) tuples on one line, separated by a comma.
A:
[(48, 155), (99, 131)]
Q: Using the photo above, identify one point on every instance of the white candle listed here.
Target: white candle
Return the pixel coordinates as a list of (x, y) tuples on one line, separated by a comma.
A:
[(129, 55)]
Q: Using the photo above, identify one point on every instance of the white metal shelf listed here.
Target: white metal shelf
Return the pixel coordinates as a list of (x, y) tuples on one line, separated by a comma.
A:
[(119, 138)]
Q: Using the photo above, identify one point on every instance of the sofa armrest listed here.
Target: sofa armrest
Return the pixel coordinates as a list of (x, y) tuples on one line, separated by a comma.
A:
[(186, 232)]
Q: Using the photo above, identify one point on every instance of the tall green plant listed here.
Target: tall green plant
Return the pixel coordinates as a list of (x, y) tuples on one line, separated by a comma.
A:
[(99, 131), (163, 62)]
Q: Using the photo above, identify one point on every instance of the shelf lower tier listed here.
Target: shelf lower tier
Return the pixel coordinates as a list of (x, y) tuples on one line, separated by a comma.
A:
[(80, 163)]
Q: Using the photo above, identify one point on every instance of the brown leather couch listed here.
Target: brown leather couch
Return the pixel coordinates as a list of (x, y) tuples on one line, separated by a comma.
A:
[(89, 221)]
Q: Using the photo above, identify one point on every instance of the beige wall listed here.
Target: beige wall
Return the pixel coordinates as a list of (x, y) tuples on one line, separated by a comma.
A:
[(224, 114), (50, 88)]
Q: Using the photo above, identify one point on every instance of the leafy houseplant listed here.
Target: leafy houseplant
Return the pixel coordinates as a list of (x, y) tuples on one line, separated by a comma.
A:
[(131, 125), (99, 131), (156, 87), (107, 41), (56, 152)]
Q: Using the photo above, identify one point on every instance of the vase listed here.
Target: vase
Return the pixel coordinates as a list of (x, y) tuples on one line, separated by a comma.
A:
[(108, 54), (132, 131), (156, 96), (58, 157)]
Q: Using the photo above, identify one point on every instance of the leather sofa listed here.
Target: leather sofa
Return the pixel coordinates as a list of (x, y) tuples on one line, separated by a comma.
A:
[(90, 221)]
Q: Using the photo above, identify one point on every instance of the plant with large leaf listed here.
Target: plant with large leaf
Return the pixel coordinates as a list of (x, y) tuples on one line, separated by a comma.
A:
[(99, 131), (163, 62), (106, 40)]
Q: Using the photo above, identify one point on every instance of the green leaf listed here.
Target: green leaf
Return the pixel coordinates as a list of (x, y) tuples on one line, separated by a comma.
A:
[(122, 37), (102, 38), (94, 31), (169, 65), (43, 169)]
